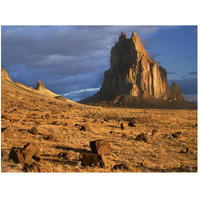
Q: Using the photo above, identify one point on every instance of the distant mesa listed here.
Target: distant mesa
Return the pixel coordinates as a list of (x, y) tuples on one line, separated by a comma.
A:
[(135, 80)]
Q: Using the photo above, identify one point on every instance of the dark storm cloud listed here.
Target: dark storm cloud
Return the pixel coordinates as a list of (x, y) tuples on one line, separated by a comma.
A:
[(65, 58), (192, 73)]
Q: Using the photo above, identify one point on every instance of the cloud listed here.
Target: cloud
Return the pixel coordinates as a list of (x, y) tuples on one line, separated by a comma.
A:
[(171, 73), (187, 85), (73, 56), (192, 73), (66, 58), (81, 94), (191, 97)]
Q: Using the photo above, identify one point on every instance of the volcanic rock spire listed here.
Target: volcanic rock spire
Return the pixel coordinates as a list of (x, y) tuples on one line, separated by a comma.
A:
[(133, 72), (134, 79)]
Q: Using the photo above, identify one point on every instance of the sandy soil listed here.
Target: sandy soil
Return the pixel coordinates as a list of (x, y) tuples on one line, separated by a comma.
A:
[(22, 109)]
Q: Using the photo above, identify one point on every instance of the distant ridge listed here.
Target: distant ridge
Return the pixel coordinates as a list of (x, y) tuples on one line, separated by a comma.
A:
[(40, 90), (135, 80)]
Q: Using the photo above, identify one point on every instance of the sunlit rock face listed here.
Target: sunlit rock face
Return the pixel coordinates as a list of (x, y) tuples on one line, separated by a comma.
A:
[(175, 93), (135, 80), (133, 72)]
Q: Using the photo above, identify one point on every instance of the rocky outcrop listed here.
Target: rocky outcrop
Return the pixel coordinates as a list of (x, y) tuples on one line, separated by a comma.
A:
[(40, 85), (4, 75), (42, 89), (176, 94), (133, 72), (134, 79)]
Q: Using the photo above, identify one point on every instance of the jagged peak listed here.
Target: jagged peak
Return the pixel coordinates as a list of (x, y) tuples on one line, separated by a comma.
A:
[(123, 35), (134, 34), (175, 86)]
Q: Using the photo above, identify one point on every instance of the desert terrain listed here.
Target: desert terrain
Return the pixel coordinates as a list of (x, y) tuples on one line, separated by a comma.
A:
[(64, 129)]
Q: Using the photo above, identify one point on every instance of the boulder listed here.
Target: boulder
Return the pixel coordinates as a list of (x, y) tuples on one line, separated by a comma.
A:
[(6, 133), (141, 137), (100, 147), (33, 167), (25, 155), (34, 131), (122, 166), (132, 124), (154, 131), (124, 125), (16, 156), (91, 159), (32, 149)]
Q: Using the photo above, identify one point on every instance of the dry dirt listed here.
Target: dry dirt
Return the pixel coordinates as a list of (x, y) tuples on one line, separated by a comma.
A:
[(59, 131)]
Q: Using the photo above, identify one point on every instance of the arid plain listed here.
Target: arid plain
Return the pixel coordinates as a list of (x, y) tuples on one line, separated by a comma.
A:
[(64, 130)]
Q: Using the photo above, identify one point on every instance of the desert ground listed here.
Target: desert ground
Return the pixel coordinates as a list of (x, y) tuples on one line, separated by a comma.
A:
[(64, 130)]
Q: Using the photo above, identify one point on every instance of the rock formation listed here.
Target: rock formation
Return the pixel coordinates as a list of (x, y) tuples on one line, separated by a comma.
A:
[(134, 79), (4, 75), (41, 88), (175, 93)]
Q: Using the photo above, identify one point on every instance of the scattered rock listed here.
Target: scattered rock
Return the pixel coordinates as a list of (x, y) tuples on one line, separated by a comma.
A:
[(124, 125), (32, 149), (62, 116), (6, 133), (16, 156), (141, 137), (62, 154), (90, 159), (56, 123), (34, 131), (34, 167), (176, 135), (186, 150), (154, 131), (132, 124), (80, 127), (48, 116), (5, 117), (48, 137), (100, 147), (122, 166), (38, 159), (26, 155)]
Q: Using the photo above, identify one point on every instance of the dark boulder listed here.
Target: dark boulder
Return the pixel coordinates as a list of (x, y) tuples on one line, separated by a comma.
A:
[(100, 147)]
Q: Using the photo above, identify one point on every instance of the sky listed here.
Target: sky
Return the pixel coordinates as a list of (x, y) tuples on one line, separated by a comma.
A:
[(71, 60)]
